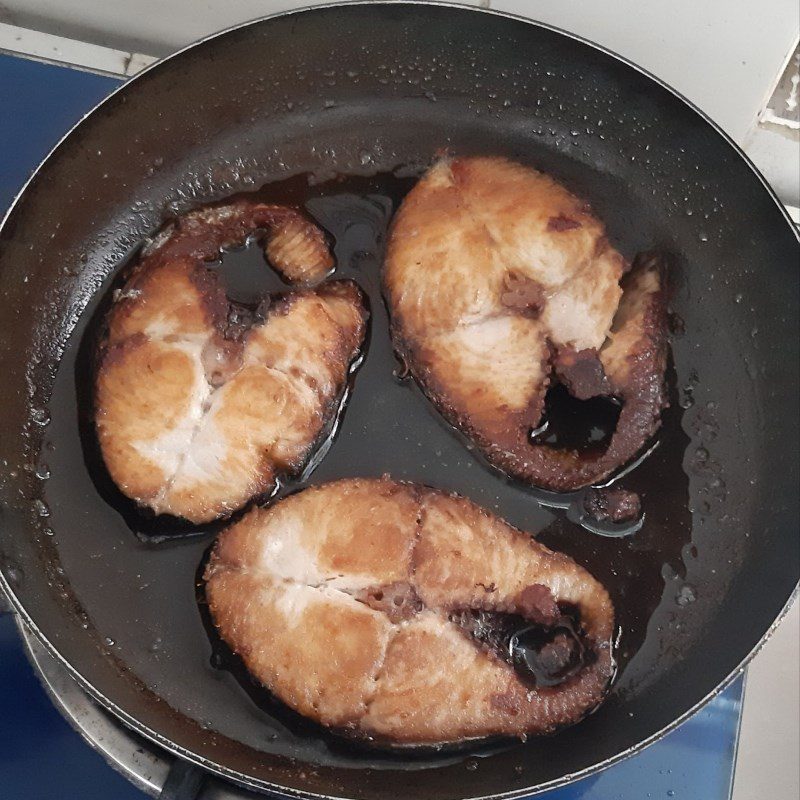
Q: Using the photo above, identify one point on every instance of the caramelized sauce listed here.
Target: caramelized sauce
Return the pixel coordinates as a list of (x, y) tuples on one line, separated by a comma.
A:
[(542, 655), (577, 424), (386, 426)]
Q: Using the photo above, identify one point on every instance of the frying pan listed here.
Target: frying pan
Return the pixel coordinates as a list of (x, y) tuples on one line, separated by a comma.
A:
[(375, 90)]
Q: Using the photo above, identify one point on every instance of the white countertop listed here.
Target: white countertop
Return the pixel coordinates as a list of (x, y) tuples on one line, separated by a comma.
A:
[(768, 765)]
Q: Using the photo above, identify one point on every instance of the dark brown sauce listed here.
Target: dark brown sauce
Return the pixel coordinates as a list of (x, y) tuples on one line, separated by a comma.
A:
[(247, 278), (631, 568), (527, 646), (570, 423), (387, 425)]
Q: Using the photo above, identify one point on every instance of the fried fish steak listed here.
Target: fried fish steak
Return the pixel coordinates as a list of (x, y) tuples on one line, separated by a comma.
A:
[(500, 283), (200, 404), (410, 616)]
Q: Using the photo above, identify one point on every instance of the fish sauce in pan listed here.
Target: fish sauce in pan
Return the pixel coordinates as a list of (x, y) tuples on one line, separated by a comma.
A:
[(159, 626)]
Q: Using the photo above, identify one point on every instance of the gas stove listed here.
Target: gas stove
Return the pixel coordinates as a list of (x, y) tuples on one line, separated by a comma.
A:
[(95, 756)]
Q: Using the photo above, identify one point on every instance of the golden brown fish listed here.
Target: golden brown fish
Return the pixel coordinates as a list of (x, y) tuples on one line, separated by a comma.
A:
[(197, 411), (500, 282), (410, 616)]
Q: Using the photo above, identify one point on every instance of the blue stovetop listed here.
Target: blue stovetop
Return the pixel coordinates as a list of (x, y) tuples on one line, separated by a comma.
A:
[(42, 758)]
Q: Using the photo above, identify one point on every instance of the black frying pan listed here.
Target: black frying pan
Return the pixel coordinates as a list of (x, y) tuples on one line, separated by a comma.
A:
[(370, 89)]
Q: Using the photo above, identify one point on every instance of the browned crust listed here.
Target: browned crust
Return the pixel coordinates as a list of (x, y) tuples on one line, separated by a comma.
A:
[(515, 702), (509, 427), (172, 285), (612, 504), (398, 600), (643, 396), (562, 223), (296, 247), (501, 432), (507, 446), (522, 295), (581, 372), (348, 352), (299, 252), (113, 354)]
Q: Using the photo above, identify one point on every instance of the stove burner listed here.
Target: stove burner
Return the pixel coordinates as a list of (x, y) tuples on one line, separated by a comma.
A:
[(142, 762)]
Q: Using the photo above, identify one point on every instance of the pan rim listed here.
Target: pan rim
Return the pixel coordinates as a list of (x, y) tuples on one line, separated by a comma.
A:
[(437, 3), (240, 778)]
